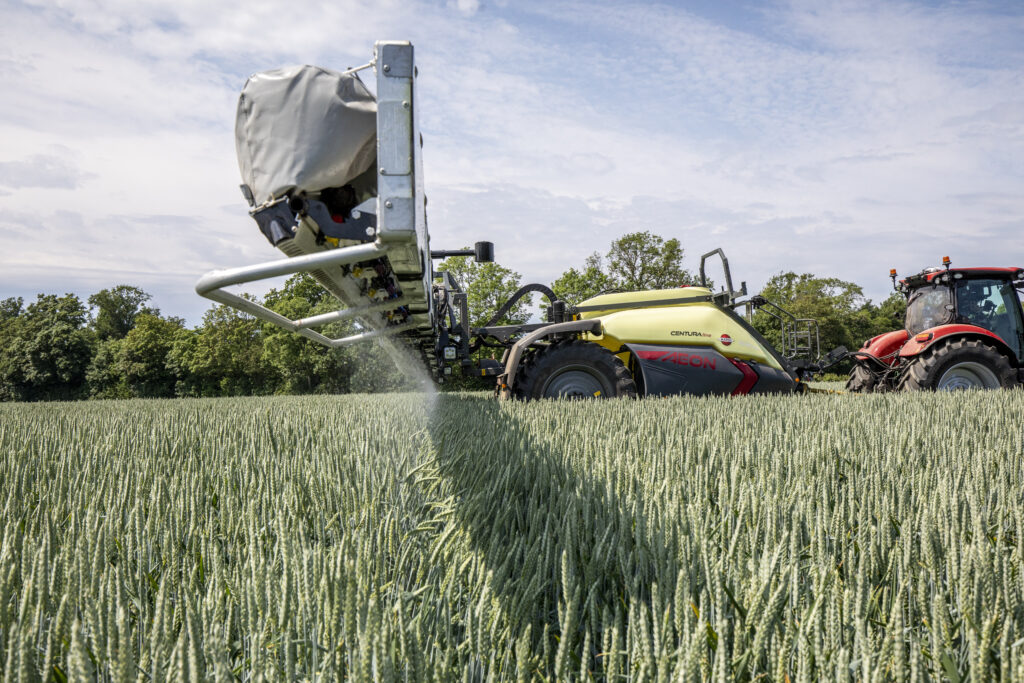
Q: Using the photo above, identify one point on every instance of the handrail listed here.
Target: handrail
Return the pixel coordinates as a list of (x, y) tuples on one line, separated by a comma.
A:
[(729, 296)]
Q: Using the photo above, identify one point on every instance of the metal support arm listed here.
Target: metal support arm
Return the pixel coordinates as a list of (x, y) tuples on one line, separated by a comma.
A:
[(213, 283)]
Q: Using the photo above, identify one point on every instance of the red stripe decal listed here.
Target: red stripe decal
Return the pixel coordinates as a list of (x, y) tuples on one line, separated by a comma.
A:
[(749, 378)]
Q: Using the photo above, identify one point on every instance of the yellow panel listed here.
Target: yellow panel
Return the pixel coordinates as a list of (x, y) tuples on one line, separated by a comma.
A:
[(615, 301), (698, 324)]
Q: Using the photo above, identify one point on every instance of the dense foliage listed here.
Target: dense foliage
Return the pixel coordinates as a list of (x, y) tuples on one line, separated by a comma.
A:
[(44, 348), (636, 261), (120, 347), (57, 348), (409, 537), (845, 317), (642, 260)]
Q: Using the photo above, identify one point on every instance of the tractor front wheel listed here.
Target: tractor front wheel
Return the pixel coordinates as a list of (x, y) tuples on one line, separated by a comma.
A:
[(958, 364), (862, 380), (574, 369)]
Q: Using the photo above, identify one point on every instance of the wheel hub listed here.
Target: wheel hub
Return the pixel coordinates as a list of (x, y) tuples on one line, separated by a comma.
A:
[(968, 375), (574, 382)]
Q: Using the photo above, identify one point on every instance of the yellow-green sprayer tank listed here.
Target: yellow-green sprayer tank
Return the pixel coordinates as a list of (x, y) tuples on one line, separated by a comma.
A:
[(657, 343)]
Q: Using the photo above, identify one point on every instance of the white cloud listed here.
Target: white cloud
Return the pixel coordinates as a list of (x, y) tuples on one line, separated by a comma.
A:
[(468, 7), (840, 138), (51, 171)]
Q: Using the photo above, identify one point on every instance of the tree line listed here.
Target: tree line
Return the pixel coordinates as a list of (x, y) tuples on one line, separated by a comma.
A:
[(116, 345), (642, 260)]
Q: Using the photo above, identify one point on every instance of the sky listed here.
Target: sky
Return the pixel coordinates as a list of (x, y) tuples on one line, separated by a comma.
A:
[(835, 138)]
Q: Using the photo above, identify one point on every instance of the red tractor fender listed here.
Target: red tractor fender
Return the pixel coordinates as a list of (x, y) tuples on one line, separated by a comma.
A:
[(921, 341), (883, 348)]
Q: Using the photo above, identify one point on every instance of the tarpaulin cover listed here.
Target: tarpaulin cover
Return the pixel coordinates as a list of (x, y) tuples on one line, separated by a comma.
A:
[(304, 128)]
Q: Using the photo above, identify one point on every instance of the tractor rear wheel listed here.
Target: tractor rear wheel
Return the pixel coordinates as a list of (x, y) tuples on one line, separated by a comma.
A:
[(958, 364), (862, 380), (574, 369)]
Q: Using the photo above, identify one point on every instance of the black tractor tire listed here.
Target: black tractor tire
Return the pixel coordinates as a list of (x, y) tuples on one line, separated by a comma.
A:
[(574, 369), (958, 364), (861, 380)]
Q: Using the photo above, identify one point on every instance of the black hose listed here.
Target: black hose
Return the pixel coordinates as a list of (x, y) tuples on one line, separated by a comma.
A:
[(520, 293), (506, 307)]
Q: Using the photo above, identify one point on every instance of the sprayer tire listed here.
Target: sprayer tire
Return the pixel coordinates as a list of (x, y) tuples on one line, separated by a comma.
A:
[(861, 380), (574, 369)]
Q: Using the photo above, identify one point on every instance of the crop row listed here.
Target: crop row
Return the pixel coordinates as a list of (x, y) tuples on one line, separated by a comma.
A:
[(420, 537)]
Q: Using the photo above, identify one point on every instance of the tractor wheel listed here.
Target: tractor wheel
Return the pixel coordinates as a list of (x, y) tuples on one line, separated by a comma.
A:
[(958, 364), (862, 380), (574, 369)]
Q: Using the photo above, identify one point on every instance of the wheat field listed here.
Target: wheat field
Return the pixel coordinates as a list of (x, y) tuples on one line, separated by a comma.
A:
[(452, 537)]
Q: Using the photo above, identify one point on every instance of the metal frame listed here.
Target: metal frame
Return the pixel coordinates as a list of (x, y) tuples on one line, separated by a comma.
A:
[(213, 283), (400, 231), (728, 297), (401, 202), (793, 329), (456, 311)]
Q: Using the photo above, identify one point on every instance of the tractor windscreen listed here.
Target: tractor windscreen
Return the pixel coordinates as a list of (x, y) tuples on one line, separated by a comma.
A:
[(929, 307), (990, 304)]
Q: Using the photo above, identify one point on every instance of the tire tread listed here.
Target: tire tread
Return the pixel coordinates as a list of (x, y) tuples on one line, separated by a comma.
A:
[(537, 363), (922, 373), (861, 380)]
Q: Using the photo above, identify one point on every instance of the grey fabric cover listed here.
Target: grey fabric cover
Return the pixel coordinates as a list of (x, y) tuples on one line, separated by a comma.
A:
[(305, 128)]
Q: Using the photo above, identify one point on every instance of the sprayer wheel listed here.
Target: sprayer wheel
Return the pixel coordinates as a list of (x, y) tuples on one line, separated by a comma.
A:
[(574, 369)]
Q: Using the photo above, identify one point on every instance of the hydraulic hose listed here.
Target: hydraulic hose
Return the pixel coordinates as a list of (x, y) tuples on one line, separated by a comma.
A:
[(506, 307), (520, 293)]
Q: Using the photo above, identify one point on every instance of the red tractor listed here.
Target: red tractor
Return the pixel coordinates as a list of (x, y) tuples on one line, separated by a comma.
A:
[(964, 329)]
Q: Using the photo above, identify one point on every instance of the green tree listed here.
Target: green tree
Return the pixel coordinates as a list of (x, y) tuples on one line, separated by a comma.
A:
[(103, 376), (141, 357), (11, 308), (641, 260), (303, 287), (845, 317), (488, 287), (116, 310), (636, 261), (888, 315), (10, 375), (575, 286), (183, 362), (223, 357), (304, 366), (46, 349)]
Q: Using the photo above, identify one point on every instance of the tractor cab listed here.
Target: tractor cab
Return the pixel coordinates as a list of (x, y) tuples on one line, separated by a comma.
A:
[(987, 298), (964, 329)]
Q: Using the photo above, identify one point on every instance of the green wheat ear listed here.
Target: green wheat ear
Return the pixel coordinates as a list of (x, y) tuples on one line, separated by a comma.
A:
[(386, 537)]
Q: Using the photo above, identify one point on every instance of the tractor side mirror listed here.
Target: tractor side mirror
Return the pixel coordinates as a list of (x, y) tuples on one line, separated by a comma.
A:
[(483, 252)]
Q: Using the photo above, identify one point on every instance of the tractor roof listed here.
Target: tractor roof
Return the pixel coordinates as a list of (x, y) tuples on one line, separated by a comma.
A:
[(930, 274)]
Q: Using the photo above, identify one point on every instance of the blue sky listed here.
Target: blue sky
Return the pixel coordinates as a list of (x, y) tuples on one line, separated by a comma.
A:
[(835, 138)]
